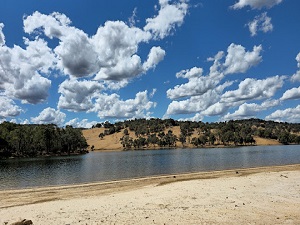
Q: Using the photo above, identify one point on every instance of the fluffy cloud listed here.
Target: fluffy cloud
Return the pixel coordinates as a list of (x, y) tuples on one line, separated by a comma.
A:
[(78, 95), (260, 23), (8, 108), (214, 102), (81, 124), (291, 115), (238, 60), (111, 53), (75, 50), (194, 104), (246, 111), (204, 93), (77, 55), (196, 118), (216, 109), (35, 90), (256, 4), (117, 45), (111, 106), (293, 93), (48, 116), (250, 89), (296, 76), (197, 84), (168, 18), (156, 55), (298, 60), (52, 26), (107, 60), (2, 37), (110, 56), (216, 71), (191, 73), (22, 71)]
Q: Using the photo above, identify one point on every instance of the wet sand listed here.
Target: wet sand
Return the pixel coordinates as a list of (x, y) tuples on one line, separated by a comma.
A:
[(266, 195)]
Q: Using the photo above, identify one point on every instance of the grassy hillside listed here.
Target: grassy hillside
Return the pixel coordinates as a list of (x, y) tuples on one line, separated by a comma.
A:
[(157, 133)]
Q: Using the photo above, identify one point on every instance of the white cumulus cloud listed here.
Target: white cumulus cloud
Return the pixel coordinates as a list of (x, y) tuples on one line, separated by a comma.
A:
[(2, 37), (169, 16), (293, 93), (256, 4), (194, 104), (190, 73), (251, 88), (298, 60), (81, 123), (110, 54), (49, 116), (238, 60), (296, 77), (8, 108), (291, 115), (24, 72), (260, 23), (111, 106), (78, 95), (250, 110), (195, 86), (205, 93), (75, 50), (156, 55), (117, 45), (94, 63)]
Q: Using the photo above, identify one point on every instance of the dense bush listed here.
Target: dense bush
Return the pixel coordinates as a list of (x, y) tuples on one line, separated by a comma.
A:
[(33, 140)]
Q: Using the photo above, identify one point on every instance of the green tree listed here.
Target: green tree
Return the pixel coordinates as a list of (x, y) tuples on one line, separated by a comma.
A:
[(284, 138)]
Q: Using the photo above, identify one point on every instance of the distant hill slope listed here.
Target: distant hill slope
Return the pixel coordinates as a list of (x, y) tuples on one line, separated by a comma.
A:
[(168, 133), (112, 142), (109, 142)]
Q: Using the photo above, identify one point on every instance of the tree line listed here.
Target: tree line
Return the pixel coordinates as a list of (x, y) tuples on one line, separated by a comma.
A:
[(157, 132), (36, 140)]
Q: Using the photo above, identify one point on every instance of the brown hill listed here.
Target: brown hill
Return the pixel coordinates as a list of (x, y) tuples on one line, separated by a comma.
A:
[(265, 141), (112, 142), (108, 142)]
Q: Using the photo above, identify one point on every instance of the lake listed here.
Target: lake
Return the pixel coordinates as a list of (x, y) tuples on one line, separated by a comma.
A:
[(106, 166)]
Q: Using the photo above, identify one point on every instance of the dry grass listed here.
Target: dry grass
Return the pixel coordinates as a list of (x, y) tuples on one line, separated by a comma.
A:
[(265, 141), (109, 142), (112, 142)]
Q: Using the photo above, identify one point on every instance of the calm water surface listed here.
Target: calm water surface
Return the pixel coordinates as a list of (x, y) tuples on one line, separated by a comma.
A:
[(103, 166)]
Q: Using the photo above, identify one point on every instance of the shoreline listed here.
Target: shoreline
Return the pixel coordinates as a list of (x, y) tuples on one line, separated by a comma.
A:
[(182, 148), (27, 196), (262, 195)]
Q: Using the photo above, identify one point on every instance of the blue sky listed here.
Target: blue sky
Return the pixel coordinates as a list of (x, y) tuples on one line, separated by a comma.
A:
[(78, 63)]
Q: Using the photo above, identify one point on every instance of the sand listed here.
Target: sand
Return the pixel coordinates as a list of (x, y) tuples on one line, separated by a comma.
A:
[(269, 195)]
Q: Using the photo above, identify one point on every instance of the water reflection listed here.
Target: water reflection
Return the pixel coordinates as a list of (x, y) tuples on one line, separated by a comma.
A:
[(101, 166)]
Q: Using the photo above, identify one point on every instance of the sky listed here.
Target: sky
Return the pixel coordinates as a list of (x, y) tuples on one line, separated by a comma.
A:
[(79, 63)]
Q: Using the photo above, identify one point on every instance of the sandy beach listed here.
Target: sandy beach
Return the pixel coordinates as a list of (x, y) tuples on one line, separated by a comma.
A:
[(269, 195)]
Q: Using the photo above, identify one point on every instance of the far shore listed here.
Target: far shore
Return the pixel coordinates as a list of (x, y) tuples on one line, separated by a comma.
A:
[(264, 195), (112, 142), (179, 147)]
